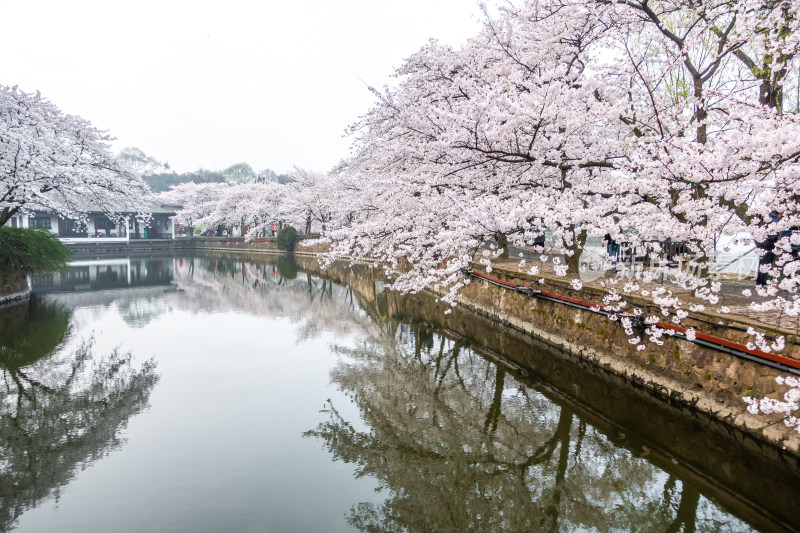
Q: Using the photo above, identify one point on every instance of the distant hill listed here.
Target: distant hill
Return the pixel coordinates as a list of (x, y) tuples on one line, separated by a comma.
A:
[(162, 182)]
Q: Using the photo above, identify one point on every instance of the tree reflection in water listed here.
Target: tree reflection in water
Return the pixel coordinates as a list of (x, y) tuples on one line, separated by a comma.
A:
[(58, 411), (31, 331), (460, 443), (271, 287)]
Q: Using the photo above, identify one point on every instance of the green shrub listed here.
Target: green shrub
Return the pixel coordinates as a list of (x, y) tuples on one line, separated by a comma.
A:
[(30, 251), (286, 238)]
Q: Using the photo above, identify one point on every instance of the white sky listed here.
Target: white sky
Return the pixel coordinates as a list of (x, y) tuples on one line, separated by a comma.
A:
[(212, 83)]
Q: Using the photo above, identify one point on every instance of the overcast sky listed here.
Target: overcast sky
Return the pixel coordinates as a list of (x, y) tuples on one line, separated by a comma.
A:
[(212, 83)]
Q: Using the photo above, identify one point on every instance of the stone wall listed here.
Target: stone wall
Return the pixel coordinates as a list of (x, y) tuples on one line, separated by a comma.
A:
[(678, 372), (231, 245), (99, 247)]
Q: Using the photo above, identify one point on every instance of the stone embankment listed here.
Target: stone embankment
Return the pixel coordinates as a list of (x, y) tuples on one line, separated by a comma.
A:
[(683, 374)]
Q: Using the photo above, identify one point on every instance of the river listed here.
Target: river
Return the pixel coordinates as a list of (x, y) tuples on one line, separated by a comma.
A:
[(210, 392)]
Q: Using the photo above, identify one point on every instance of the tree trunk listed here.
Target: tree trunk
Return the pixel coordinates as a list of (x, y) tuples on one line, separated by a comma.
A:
[(6, 214), (493, 416), (578, 241), (553, 510), (502, 242)]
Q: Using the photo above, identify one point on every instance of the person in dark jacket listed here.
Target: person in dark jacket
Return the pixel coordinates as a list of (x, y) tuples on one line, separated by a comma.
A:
[(612, 247), (768, 245)]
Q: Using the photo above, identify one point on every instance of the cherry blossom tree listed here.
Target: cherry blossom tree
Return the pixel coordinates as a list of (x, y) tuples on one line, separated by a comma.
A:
[(197, 201), (633, 119), (217, 204), (257, 205), (51, 161), (311, 198), (475, 142)]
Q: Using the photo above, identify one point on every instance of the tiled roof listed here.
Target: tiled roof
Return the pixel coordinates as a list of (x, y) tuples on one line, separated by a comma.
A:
[(92, 205)]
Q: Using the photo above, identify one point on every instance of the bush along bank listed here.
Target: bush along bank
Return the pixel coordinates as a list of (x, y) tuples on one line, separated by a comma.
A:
[(24, 252), (286, 239)]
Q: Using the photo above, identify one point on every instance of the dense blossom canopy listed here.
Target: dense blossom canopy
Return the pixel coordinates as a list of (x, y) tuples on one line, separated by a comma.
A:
[(50, 161), (307, 200), (635, 120)]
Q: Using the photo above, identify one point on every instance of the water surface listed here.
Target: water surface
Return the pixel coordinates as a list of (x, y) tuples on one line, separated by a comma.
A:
[(214, 393)]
